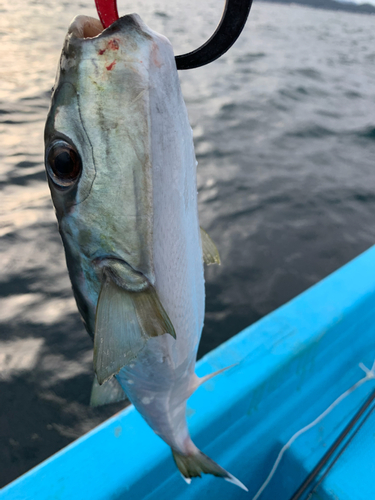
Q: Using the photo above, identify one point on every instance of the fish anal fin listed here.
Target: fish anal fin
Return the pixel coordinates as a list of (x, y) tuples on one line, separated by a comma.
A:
[(109, 392), (198, 381), (209, 250), (197, 463), (124, 322)]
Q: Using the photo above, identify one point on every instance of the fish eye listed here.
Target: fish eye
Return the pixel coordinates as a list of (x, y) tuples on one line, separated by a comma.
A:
[(63, 163)]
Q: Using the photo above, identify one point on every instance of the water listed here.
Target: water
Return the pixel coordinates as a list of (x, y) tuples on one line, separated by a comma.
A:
[(284, 130)]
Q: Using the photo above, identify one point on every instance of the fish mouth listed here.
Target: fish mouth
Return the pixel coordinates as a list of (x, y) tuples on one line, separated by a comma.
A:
[(85, 27)]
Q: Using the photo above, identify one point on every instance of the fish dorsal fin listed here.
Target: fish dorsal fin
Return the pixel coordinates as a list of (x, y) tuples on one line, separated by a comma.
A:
[(125, 320), (110, 392), (209, 250)]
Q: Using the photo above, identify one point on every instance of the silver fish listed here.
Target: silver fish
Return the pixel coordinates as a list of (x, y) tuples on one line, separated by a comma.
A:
[(122, 172)]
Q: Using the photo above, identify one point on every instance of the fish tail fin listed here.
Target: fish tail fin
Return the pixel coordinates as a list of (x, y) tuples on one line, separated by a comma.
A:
[(196, 463)]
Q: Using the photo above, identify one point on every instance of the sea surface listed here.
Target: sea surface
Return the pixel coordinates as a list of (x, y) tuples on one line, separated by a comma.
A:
[(284, 129)]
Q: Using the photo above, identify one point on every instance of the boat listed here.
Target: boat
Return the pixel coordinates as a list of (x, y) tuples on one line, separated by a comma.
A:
[(288, 368)]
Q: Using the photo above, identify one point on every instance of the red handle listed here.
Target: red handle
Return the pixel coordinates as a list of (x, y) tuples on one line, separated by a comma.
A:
[(107, 11)]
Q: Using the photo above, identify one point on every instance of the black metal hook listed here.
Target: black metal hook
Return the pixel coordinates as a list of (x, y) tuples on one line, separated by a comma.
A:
[(231, 25)]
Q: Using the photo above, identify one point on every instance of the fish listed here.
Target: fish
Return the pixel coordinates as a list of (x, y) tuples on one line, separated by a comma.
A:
[(121, 168)]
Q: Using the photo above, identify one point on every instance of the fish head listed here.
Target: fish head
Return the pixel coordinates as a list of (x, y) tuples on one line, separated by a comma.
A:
[(97, 151)]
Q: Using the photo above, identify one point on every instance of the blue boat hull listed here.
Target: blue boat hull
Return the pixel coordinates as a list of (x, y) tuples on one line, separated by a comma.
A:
[(290, 366)]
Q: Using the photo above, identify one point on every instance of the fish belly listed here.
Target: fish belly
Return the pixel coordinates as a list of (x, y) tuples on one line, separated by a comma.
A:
[(177, 248)]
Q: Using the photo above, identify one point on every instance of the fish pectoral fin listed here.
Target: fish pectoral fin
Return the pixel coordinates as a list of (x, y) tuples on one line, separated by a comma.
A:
[(209, 250), (125, 320), (118, 335), (151, 314), (109, 392)]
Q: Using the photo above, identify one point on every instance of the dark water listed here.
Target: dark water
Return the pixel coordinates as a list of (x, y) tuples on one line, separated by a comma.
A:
[(284, 129)]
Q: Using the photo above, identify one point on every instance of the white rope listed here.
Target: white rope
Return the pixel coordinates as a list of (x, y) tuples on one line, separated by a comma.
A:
[(370, 374)]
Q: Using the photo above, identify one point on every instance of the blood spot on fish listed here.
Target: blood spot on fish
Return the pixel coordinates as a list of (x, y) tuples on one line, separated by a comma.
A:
[(155, 55), (111, 66), (113, 44), (146, 400)]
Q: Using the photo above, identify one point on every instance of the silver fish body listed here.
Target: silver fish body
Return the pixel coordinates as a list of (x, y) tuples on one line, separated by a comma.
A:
[(122, 172)]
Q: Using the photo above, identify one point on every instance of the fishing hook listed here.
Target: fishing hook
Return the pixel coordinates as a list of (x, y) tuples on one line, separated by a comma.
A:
[(232, 22)]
